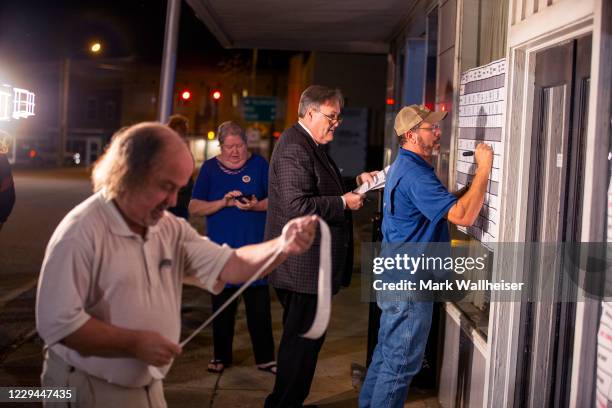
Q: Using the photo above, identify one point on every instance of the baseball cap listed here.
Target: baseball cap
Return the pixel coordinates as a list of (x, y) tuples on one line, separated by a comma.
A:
[(410, 116)]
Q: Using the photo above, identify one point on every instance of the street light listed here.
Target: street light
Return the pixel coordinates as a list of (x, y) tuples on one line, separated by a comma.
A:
[(95, 47), (211, 136), (216, 96)]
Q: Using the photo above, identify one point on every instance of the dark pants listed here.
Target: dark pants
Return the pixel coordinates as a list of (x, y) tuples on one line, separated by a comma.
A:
[(297, 356), (259, 322)]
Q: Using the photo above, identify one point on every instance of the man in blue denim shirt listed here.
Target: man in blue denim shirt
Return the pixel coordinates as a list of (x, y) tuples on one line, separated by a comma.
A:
[(416, 209)]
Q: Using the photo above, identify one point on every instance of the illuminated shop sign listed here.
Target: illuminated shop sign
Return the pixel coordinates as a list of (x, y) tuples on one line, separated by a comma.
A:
[(15, 103)]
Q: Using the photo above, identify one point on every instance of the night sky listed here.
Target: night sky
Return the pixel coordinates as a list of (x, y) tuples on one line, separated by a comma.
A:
[(51, 30)]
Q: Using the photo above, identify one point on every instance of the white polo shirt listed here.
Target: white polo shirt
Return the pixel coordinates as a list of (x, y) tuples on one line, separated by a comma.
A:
[(95, 266)]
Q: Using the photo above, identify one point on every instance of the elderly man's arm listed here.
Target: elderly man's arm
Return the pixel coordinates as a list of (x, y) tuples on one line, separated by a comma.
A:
[(296, 238), (248, 259), (213, 265), (97, 338)]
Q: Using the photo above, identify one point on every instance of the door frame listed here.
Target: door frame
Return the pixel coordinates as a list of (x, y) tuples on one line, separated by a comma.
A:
[(594, 198), (555, 338), (504, 321)]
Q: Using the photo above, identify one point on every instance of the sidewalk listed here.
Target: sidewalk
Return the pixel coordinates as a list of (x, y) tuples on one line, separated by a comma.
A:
[(242, 385), (189, 385)]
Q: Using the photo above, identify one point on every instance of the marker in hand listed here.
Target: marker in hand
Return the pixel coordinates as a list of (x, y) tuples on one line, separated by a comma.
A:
[(468, 153)]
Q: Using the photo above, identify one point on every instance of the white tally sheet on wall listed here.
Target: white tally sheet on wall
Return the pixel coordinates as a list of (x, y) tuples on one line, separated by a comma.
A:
[(481, 119)]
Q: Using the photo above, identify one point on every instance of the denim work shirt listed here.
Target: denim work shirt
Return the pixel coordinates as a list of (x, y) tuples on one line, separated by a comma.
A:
[(415, 202)]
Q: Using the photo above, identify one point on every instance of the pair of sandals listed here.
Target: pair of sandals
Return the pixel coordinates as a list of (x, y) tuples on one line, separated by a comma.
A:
[(216, 366)]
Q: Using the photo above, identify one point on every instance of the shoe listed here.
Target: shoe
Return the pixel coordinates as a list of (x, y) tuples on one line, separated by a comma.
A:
[(215, 366), (268, 367)]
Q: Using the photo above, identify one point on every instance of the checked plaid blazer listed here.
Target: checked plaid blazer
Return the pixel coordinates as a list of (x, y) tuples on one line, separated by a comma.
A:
[(304, 180)]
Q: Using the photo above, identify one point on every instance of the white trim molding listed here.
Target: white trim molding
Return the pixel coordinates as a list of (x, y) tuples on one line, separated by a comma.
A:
[(534, 33)]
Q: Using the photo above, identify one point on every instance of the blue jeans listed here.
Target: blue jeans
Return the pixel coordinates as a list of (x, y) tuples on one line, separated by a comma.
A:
[(398, 356)]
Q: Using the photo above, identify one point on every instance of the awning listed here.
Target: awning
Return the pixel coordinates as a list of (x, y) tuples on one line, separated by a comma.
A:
[(355, 26)]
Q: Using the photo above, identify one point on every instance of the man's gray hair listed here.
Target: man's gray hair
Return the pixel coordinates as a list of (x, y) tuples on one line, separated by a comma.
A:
[(130, 158), (316, 95), (230, 128)]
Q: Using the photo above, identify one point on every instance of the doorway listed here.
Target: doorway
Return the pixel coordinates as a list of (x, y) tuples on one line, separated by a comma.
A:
[(561, 92)]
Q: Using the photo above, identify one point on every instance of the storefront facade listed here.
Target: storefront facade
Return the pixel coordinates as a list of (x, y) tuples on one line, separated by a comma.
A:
[(551, 128)]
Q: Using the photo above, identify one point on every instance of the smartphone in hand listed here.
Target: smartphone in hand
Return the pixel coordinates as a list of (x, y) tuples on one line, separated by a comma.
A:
[(244, 199)]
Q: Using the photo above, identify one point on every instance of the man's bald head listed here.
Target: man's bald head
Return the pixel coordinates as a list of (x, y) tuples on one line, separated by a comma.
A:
[(133, 156)]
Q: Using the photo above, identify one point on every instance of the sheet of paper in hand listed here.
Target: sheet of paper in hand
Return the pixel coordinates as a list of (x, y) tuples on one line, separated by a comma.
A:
[(378, 182)]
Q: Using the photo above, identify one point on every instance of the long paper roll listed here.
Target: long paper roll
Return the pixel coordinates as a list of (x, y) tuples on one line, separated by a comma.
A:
[(321, 320)]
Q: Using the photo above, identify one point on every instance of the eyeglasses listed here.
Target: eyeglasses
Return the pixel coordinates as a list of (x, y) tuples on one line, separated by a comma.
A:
[(339, 118), (433, 128), (234, 146)]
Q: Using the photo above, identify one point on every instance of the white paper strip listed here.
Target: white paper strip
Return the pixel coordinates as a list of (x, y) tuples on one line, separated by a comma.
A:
[(321, 320)]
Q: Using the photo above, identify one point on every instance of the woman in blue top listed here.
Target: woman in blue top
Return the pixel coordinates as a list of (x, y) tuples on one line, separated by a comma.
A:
[(231, 191)]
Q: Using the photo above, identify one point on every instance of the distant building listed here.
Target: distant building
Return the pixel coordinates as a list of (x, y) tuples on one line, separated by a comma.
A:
[(103, 96)]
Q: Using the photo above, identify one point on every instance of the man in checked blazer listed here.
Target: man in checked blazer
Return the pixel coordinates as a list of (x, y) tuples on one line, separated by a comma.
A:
[(305, 180)]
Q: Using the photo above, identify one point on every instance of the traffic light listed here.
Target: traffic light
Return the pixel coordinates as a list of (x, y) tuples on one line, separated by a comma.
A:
[(186, 95), (216, 95)]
